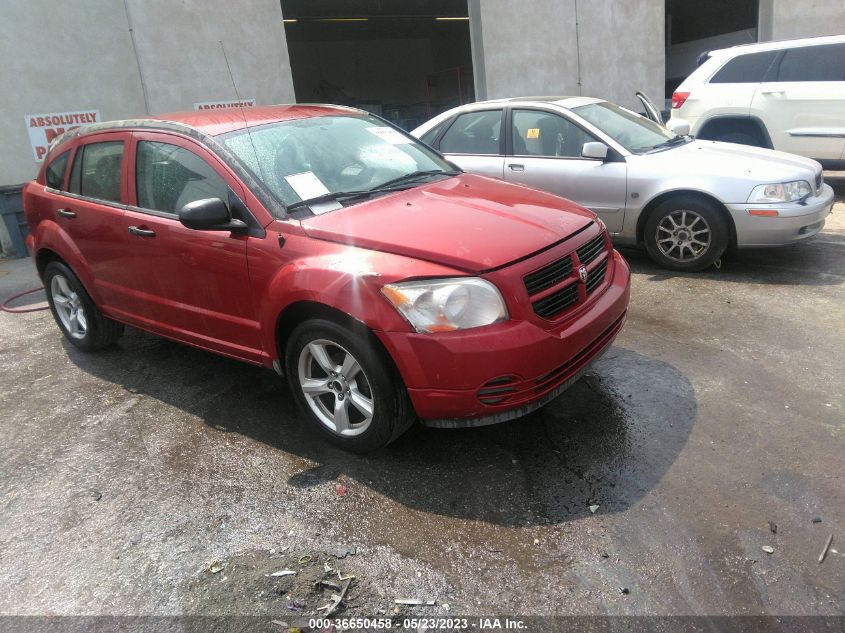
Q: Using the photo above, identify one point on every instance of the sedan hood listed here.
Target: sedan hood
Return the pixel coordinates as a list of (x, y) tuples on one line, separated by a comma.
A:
[(467, 222), (738, 161)]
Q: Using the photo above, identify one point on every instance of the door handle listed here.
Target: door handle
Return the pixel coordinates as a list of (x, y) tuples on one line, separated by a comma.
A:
[(516, 167), (773, 92), (136, 230), (66, 213)]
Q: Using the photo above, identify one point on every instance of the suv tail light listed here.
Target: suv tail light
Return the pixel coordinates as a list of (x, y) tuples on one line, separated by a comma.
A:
[(678, 99)]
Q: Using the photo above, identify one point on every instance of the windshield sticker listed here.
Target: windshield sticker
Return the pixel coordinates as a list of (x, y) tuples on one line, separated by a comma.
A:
[(306, 185), (532, 132), (387, 157), (389, 135)]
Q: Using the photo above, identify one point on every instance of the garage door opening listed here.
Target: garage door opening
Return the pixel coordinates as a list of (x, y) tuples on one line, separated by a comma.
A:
[(405, 60), (693, 28)]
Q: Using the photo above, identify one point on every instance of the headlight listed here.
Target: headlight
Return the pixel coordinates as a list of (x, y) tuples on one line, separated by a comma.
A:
[(444, 305), (780, 192)]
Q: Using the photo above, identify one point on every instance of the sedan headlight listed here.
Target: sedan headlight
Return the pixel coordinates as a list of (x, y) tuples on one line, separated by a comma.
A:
[(780, 192), (444, 305)]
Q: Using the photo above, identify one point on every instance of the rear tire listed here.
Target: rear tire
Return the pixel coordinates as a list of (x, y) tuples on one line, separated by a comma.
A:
[(686, 234), (740, 138), (346, 386), (79, 319)]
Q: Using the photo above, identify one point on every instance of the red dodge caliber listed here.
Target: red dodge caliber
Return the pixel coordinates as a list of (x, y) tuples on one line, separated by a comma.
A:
[(387, 285)]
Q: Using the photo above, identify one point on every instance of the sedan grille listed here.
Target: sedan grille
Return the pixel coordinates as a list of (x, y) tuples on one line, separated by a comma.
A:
[(548, 307), (591, 249), (548, 276)]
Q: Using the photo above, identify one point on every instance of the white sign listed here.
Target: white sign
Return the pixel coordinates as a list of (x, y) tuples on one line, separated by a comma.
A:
[(389, 134), (215, 105), (307, 185), (43, 128)]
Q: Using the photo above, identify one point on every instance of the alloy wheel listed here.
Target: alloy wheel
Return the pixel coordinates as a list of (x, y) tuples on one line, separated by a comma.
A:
[(336, 388), (683, 235), (69, 307)]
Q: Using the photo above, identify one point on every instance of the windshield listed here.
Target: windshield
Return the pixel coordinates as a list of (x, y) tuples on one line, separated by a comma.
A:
[(308, 158), (631, 131)]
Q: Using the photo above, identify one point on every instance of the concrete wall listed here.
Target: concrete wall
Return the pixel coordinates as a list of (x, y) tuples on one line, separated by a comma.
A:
[(531, 47), (78, 54), (790, 19)]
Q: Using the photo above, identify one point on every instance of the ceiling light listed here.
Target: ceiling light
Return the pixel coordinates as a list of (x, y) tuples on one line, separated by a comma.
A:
[(450, 19)]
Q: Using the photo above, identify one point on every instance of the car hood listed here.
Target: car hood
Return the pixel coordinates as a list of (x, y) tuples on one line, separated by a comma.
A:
[(467, 222), (733, 161)]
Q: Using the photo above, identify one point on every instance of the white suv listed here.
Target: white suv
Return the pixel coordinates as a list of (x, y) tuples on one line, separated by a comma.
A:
[(786, 95)]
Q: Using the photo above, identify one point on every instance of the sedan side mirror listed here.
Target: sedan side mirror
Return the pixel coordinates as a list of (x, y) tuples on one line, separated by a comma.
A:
[(209, 214), (594, 150), (678, 127)]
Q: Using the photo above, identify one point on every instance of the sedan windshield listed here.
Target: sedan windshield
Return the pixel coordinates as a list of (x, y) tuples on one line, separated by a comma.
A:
[(632, 131), (333, 157)]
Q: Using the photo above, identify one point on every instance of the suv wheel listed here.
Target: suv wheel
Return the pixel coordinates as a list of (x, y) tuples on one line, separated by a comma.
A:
[(740, 138), (686, 234), (346, 387), (80, 320)]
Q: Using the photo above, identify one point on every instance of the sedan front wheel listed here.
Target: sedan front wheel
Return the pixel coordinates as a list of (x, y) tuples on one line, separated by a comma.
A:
[(686, 234)]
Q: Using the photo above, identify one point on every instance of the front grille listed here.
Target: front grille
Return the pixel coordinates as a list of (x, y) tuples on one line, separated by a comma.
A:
[(547, 307), (548, 276), (819, 182), (591, 249), (558, 280), (596, 277)]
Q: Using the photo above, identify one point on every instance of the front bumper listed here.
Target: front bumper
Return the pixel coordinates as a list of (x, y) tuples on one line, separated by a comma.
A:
[(794, 222), (506, 370)]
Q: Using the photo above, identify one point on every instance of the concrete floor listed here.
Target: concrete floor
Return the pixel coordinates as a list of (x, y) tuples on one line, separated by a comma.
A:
[(125, 474)]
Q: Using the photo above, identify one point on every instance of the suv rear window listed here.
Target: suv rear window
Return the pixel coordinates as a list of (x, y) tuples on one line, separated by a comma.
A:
[(813, 63), (96, 171), (56, 172), (745, 69)]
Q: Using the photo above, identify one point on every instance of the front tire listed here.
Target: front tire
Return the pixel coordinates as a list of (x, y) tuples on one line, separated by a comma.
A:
[(346, 386), (79, 319), (686, 234)]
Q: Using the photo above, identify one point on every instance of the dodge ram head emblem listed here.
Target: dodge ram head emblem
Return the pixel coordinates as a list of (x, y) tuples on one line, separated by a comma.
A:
[(582, 274)]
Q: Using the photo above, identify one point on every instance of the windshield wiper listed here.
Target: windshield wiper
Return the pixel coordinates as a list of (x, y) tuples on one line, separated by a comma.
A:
[(416, 175), (390, 185), (672, 142), (337, 196)]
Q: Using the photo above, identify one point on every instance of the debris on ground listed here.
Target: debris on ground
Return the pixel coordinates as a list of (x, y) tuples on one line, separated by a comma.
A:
[(773, 527), (605, 555), (825, 549), (284, 572), (337, 599), (594, 508), (342, 551), (624, 590), (96, 495), (768, 549), (415, 602), (215, 567), (341, 490), (817, 519)]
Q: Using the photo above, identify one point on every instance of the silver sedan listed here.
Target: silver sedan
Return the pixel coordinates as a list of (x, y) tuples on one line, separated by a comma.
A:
[(685, 200)]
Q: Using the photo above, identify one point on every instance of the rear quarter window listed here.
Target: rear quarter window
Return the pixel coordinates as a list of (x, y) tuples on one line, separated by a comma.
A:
[(55, 174), (744, 69)]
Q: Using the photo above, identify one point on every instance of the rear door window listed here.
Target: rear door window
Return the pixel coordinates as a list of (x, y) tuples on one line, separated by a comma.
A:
[(56, 172), (474, 133), (813, 63), (745, 69), (167, 177), (96, 171)]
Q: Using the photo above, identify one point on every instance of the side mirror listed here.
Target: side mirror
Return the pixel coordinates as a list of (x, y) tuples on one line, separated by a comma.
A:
[(594, 150), (679, 127), (209, 214)]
